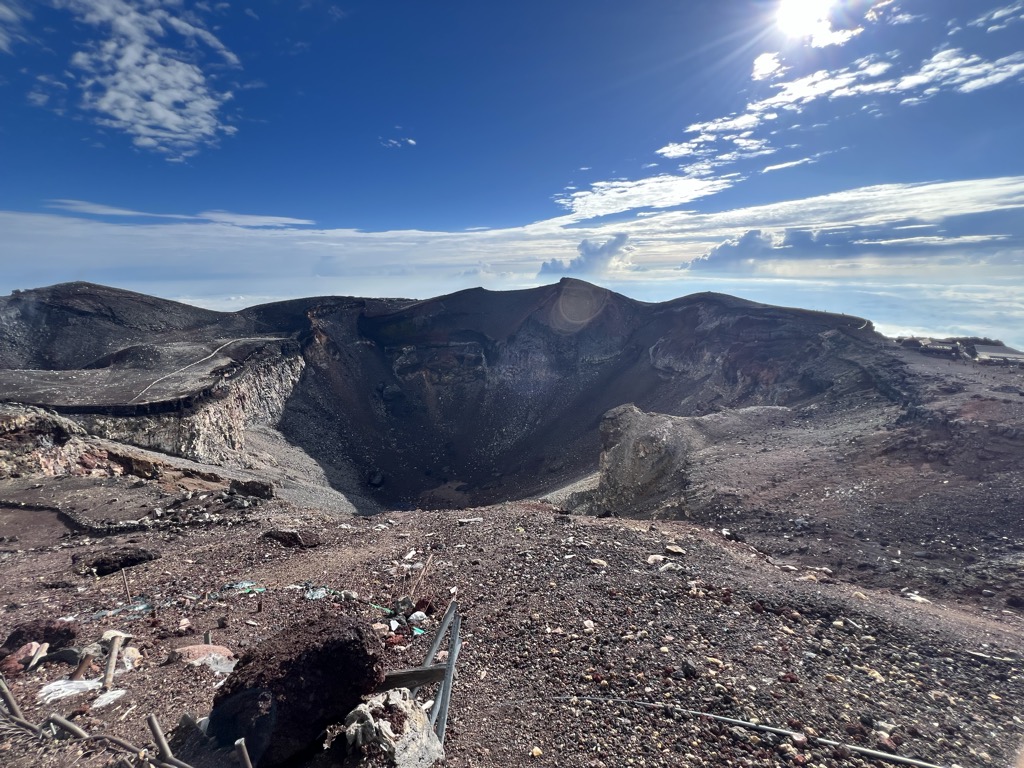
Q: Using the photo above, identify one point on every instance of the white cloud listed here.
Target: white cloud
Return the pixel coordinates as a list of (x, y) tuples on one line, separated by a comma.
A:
[(13, 14), (825, 36), (1000, 18), (879, 10), (905, 18), (946, 70), (790, 164), (396, 143), (594, 258), (609, 197), (725, 124), (952, 68), (767, 65), (138, 84)]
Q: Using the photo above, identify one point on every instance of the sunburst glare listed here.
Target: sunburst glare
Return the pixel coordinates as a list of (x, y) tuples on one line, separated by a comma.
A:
[(802, 18)]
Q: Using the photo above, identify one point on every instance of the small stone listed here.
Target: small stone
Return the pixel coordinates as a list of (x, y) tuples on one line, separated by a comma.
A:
[(655, 559), (131, 657), (598, 562), (294, 538), (674, 549), (536, 752)]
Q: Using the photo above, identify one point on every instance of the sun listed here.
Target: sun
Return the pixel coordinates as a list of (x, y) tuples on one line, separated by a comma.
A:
[(802, 18)]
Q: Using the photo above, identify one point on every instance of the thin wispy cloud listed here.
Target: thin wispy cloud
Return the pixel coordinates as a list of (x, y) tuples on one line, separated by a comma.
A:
[(605, 198), (13, 14), (790, 164), (397, 143), (133, 80), (98, 209), (715, 149), (249, 220), (219, 217), (1000, 18)]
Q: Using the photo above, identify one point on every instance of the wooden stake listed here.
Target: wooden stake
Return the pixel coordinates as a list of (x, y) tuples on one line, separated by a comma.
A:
[(115, 649), (82, 667), (127, 592), (416, 584)]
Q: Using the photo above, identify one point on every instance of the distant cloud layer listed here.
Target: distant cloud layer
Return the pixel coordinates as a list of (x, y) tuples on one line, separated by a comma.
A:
[(848, 250)]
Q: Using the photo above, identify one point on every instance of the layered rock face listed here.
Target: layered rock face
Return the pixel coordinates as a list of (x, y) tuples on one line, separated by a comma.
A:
[(212, 432), (451, 401)]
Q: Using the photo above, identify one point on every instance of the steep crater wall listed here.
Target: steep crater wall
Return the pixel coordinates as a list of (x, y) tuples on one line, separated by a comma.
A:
[(478, 396), (213, 431)]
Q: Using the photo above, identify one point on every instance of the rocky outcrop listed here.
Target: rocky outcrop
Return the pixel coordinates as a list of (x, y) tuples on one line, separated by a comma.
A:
[(645, 456), (35, 441), (214, 431)]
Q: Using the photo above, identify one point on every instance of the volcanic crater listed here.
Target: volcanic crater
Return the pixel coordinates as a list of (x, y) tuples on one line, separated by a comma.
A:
[(831, 501)]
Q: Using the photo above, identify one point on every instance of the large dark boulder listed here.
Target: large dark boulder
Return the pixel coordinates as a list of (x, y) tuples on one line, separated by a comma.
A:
[(111, 560), (284, 692), (59, 634)]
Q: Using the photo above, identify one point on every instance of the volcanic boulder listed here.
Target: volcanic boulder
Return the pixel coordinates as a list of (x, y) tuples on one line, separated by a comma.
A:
[(289, 688), (57, 633), (111, 560)]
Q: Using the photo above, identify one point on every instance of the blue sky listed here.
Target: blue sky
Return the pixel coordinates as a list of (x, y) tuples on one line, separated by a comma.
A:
[(862, 156)]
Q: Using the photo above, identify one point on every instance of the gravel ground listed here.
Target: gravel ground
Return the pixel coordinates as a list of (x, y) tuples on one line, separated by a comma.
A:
[(587, 642)]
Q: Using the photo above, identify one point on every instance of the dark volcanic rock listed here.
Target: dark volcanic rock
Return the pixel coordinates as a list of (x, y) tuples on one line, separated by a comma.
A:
[(111, 560), (292, 538), (261, 489), (288, 689)]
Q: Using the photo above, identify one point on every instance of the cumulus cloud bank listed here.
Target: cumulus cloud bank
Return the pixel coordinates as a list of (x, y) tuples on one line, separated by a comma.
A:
[(593, 260)]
